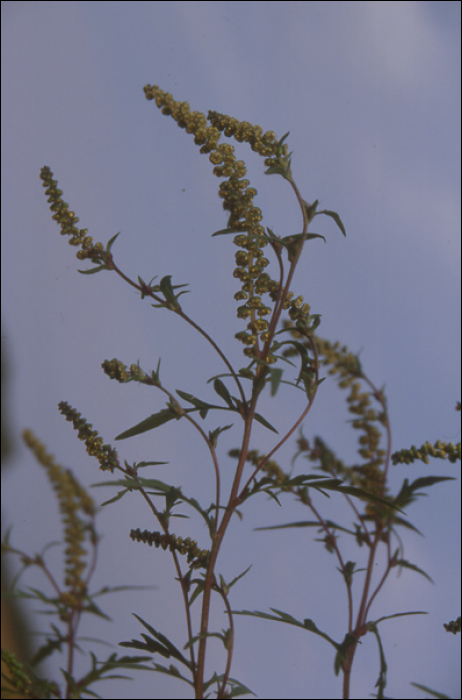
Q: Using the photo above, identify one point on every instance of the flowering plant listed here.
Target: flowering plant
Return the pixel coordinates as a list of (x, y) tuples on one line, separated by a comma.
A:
[(280, 331)]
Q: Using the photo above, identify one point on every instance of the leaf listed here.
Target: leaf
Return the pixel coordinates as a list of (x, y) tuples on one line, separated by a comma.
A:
[(275, 378), (167, 290), (222, 391), (407, 565), (341, 651), (237, 688), (95, 269), (213, 434), (153, 421), (289, 619), (236, 579), (361, 493), (335, 217), (162, 646), (435, 693), (147, 464), (224, 231), (310, 209), (407, 495), (171, 671), (306, 523), (264, 422), (429, 481), (111, 242), (389, 617), (115, 498)]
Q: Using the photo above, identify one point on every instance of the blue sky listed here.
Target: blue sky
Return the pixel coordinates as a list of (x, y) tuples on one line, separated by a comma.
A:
[(370, 92)]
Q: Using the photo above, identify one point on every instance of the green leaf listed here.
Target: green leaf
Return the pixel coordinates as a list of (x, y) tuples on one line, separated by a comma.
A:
[(224, 231), (389, 617), (236, 579), (213, 434), (306, 523), (202, 406), (222, 391), (110, 242), (289, 619), (341, 651), (310, 209), (92, 271), (275, 378), (119, 495), (264, 422), (147, 464), (237, 688), (435, 693), (407, 495), (413, 567), (335, 217), (153, 421), (167, 290), (162, 646), (171, 671)]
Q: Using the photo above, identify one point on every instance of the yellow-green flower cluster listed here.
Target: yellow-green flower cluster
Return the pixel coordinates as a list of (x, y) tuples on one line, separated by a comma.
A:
[(195, 556), (117, 370), (270, 467), (72, 499), (22, 682), (68, 220), (17, 676), (453, 626), (343, 362), (262, 143), (298, 310), (347, 367), (238, 196), (105, 454), (440, 450)]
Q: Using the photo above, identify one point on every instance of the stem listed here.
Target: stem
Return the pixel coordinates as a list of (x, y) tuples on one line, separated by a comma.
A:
[(210, 576), (146, 291)]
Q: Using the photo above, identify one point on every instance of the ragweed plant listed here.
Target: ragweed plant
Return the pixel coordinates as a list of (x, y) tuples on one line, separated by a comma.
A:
[(68, 601), (378, 515), (279, 326)]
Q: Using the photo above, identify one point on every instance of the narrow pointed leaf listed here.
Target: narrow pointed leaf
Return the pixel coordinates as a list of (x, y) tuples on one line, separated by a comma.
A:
[(111, 242), (389, 617), (93, 270), (275, 378), (213, 434), (165, 415), (335, 217), (224, 231), (434, 693), (198, 403), (413, 567), (222, 391), (264, 422)]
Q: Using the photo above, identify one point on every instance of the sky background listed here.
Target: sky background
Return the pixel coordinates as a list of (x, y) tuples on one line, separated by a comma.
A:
[(370, 92)]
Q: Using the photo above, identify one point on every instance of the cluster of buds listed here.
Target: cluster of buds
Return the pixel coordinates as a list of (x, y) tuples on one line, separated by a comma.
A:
[(369, 475), (105, 454), (440, 450), (271, 468), (117, 370), (454, 626), (68, 220), (73, 502), (198, 558)]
